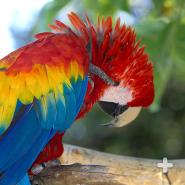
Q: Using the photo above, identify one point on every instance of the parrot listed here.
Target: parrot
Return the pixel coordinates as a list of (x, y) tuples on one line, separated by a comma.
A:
[(49, 83)]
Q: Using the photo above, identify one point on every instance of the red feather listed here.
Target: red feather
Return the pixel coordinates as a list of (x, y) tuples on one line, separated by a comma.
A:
[(52, 150)]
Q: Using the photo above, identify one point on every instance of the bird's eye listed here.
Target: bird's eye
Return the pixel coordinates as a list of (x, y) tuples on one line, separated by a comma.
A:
[(111, 108)]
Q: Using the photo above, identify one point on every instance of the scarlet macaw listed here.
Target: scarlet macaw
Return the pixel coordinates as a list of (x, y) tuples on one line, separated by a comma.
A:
[(56, 79)]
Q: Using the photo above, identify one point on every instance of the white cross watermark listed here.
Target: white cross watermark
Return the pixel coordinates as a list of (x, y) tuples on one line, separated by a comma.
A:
[(165, 165)]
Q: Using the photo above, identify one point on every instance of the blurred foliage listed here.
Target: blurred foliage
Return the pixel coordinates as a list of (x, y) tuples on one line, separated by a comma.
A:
[(104, 7), (48, 13), (160, 131)]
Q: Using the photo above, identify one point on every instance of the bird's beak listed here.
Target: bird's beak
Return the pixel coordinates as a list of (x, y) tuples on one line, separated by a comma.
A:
[(122, 115), (125, 118)]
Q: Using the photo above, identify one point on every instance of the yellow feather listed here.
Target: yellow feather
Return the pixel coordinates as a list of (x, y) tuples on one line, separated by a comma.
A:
[(37, 83), (7, 108), (25, 96)]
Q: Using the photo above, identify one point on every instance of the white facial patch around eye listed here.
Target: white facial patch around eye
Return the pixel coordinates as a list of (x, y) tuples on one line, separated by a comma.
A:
[(117, 94)]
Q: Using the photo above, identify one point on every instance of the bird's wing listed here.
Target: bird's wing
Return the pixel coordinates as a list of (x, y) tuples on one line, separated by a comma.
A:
[(42, 89), (38, 74)]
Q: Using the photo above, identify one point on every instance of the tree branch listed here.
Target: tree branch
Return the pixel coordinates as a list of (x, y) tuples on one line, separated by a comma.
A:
[(100, 168)]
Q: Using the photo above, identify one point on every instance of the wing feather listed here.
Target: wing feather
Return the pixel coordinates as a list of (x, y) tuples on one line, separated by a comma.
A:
[(30, 74)]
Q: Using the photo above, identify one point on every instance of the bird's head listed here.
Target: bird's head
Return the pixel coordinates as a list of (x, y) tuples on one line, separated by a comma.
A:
[(120, 72)]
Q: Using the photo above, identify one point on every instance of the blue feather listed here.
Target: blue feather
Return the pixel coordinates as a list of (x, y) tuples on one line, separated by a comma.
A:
[(15, 172), (16, 154), (24, 181), (33, 128), (46, 110), (15, 138)]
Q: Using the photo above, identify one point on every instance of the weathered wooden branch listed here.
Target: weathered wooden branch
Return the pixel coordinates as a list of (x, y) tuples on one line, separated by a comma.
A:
[(98, 168)]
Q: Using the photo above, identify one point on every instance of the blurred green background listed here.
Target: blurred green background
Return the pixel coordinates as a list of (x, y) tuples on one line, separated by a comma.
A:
[(160, 24)]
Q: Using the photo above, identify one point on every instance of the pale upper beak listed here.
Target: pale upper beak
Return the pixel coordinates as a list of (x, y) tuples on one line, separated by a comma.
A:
[(127, 117)]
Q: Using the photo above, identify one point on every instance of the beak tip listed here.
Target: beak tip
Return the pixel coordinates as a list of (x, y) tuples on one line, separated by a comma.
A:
[(111, 124), (107, 125)]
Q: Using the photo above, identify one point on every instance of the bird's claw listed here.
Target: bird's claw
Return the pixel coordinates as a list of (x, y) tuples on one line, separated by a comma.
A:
[(40, 167)]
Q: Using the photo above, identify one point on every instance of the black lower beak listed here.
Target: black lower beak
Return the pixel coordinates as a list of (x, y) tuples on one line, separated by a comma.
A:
[(111, 108)]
